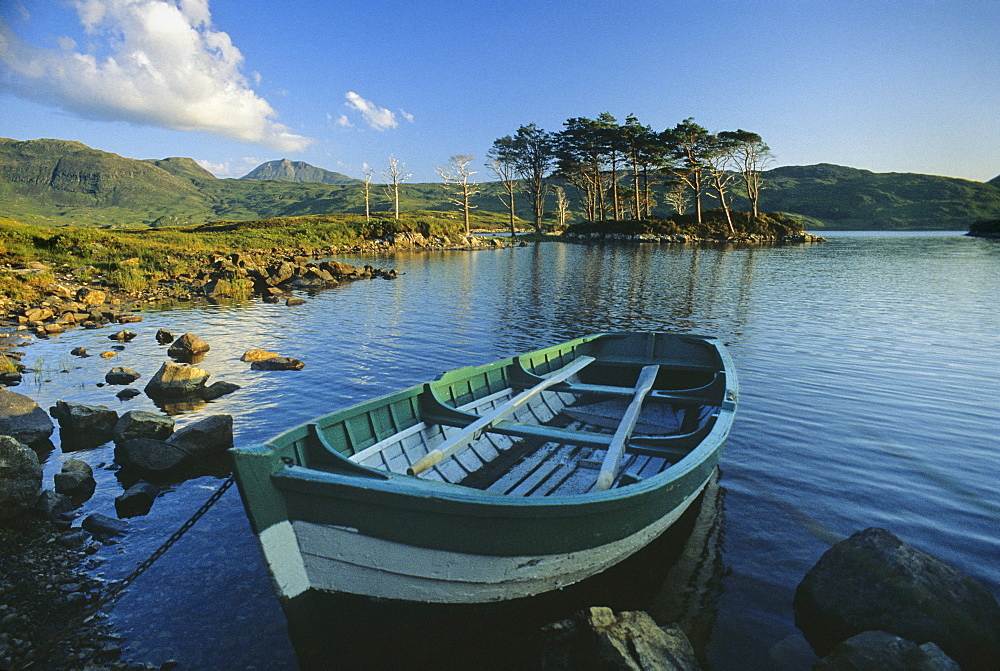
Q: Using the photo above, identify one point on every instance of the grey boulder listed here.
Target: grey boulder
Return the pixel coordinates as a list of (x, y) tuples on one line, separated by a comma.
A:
[(20, 478), (23, 419), (873, 581)]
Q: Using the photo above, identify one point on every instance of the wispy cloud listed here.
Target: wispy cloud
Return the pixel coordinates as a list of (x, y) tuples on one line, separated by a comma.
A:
[(164, 65), (377, 118)]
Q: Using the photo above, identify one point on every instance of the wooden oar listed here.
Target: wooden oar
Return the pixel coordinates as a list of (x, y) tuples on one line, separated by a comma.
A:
[(613, 459), (472, 431)]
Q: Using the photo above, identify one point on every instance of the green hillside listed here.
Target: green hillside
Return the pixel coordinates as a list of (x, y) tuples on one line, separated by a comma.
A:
[(58, 182), (851, 199)]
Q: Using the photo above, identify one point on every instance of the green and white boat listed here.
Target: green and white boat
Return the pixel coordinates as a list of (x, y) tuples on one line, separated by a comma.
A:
[(498, 481)]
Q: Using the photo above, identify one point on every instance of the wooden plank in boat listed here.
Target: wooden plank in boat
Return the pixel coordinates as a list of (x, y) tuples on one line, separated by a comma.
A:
[(524, 468)]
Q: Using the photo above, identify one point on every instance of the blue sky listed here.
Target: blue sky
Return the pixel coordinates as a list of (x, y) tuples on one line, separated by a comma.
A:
[(885, 85)]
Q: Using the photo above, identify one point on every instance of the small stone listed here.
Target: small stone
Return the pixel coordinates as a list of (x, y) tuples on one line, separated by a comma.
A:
[(102, 525), (75, 480), (218, 390), (107, 355), (295, 301), (164, 336), (122, 336), (188, 345), (278, 363), (79, 351), (89, 296), (121, 375), (137, 499), (252, 355)]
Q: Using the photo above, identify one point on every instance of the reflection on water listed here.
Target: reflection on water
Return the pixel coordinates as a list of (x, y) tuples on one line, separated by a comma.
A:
[(869, 379)]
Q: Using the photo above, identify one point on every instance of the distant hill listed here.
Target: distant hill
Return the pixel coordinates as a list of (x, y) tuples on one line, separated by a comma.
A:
[(838, 197), (995, 181), (59, 182), (297, 171)]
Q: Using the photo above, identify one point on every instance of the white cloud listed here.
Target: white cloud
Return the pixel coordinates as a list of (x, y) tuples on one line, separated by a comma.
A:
[(344, 121), (217, 169), (231, 168), (166, 66), (406, 115), (378, 118)]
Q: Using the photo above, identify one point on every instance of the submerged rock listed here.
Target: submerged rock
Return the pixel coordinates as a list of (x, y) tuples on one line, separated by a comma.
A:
[(23, 419), (875, 581), (103, 526), (20, 478), (882, 651), (278, 363), (598, 639), (218, 390)]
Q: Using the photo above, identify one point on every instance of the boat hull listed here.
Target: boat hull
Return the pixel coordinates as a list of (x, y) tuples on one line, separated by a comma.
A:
[(336, 558)]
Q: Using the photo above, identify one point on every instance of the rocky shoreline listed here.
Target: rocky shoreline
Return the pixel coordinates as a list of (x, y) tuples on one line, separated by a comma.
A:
[(680, 239)]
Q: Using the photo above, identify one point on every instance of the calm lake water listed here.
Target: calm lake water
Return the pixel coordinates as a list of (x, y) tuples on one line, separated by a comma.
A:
[(869, 369)]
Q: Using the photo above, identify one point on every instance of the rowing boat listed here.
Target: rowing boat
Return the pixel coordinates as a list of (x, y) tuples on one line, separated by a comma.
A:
[(494, 482)]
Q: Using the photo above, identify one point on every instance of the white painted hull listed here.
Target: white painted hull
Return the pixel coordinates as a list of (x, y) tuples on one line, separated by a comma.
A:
[(304, 555)]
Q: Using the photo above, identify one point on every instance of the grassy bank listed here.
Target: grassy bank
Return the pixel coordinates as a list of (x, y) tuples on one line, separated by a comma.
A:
[(130, 260)]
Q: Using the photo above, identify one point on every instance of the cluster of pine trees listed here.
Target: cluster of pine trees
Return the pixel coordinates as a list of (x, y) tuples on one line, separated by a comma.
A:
[(613, 166)]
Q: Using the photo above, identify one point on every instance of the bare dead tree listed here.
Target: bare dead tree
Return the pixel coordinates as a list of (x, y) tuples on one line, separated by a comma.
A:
[(751, 156), (677, 196), (562, 206), (457, 173), (368, 174), (394, 176)]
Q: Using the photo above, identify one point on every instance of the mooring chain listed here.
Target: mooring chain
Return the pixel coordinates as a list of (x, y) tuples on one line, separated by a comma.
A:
[(119, 587), (167, 544)]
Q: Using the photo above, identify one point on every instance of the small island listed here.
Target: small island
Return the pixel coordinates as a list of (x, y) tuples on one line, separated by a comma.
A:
[(985, 229)]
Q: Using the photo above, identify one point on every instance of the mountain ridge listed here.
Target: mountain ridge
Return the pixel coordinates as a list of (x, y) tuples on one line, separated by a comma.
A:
[(64, 182), (297, 171)]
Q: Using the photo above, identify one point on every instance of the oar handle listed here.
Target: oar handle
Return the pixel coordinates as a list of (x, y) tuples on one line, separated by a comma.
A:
[(430, 459)]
